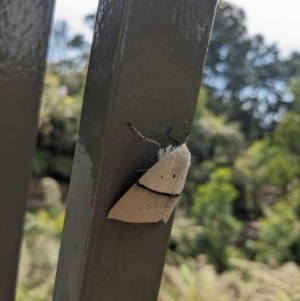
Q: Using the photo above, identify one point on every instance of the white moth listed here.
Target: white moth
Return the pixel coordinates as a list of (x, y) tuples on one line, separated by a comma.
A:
[(154, 196)]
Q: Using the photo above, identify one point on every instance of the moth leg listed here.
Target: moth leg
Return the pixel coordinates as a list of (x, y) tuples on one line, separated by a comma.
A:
[(176, 142), (143, 137), (141, 170)]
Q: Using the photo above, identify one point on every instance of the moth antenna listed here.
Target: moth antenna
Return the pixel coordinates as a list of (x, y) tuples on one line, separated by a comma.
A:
[(187, 138), (143, 137), (176, 142), (187, 135)]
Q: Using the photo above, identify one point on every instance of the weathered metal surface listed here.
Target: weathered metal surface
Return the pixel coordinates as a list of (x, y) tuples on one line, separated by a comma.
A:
[(145, 67), (24, 28)]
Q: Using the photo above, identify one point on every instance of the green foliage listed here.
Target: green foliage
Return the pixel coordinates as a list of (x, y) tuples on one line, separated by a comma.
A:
[(58, 109), (215, 196), (279, 236), (215, 139), (288, 130), (57, 132), (214, 142), (280, 167), (39, 253), (184, 239), (269, 164), (213, 210), (61, 103), (269, 171), (39, 163), (265, 171), (255, 281), (60, 165), (192, 281), (195, 280)]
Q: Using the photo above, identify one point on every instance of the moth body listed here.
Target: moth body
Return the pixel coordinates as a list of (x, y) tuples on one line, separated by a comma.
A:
[(154, 196)]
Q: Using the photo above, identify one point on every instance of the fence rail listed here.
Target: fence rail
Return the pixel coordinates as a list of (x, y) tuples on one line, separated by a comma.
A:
[(24, 30), (145, 67)]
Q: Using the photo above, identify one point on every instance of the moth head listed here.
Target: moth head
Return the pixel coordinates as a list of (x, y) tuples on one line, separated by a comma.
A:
[(165, 151)]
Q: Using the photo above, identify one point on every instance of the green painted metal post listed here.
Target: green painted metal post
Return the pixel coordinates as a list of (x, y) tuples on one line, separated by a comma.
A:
[(145, 67)]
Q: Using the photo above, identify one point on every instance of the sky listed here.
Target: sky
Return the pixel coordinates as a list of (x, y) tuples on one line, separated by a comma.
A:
[(277, 20)]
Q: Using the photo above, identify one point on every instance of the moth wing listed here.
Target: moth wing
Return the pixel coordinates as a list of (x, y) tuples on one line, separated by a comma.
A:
[(139, 205), (168, 175)]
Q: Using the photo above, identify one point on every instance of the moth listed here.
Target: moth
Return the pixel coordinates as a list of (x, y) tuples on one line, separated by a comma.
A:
[(154, 196)]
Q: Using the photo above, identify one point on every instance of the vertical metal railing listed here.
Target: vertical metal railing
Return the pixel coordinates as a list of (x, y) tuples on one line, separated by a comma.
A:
[(24, 29), (145, 67)]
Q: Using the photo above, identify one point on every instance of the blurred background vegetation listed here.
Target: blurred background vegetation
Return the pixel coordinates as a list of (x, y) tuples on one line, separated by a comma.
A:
[(236, 232)]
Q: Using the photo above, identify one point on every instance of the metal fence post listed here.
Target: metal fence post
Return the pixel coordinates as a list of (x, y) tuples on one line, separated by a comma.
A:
[(145, 67), (24, 29)]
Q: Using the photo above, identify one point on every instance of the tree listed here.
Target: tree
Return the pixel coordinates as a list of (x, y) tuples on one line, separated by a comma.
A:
[(212, 207), (68, 57), (247, 76)]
